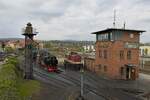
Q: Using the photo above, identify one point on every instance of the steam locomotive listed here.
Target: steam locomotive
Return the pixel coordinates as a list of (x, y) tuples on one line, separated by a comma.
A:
[(48, 61)]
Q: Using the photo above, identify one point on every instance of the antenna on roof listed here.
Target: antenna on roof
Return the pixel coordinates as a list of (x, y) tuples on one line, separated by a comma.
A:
[(124, 25), (114, 23)]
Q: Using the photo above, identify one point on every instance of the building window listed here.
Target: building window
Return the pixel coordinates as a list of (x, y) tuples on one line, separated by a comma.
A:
[(131, 35), (122, 71), (105, 68), (121, 54), (111, 38), (100, 67), (129, 54), (146, 51), (100, 54), (102, 37), (105, 54)]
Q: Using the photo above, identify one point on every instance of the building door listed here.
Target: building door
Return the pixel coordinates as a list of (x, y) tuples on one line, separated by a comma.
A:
[(133, 74), (127, 73), (130, 73)]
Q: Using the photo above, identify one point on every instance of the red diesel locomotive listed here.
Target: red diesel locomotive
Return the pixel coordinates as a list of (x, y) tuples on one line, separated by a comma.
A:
[(73, 61)]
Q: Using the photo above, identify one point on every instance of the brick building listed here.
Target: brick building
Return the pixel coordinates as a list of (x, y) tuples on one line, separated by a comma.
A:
[(117, 53), (89, 64)]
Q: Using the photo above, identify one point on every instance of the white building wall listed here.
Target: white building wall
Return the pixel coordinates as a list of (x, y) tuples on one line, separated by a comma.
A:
[(145, 50)]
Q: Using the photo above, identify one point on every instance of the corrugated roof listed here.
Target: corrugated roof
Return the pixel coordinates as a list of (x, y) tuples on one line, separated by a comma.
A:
[(117, 29)]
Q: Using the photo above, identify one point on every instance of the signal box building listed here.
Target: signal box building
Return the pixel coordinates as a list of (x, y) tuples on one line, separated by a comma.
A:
[(117, 53)]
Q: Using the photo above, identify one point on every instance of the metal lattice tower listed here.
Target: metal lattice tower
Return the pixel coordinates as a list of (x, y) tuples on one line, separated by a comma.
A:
[(29, 34)]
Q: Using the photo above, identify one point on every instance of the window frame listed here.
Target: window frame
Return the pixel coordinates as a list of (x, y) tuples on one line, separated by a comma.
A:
[(105, 54), (121, 54), (129, 53), (105, 68), (100, 54)]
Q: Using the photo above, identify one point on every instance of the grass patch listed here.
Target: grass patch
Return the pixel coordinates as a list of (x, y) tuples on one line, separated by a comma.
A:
[(29, 87), (12, 84)]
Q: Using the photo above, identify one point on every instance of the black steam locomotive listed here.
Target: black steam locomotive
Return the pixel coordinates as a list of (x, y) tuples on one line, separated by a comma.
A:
[(48, 61)]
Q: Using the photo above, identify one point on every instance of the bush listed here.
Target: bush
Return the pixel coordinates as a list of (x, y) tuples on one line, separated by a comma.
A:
[(13, 60)]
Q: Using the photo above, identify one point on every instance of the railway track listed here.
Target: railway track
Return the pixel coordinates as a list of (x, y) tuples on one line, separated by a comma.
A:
[(51, 80), (61, 81), (99, 87), (91, 84), (87, 88)]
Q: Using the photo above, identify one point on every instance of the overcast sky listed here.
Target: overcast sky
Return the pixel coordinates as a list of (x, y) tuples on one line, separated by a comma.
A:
[(72, 19)]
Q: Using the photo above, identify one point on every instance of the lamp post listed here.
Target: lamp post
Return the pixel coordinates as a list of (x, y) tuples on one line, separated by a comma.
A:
[(29, 34)]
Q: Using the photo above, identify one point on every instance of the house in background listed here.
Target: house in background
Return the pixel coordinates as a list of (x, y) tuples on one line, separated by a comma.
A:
[(89, 48), (145, 58), (145, 50)]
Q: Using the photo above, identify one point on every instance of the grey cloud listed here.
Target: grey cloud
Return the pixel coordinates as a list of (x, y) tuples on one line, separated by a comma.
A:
[(144, 2), (48, 9), (45, 16), (68, 19), (144, 21), (2, 6), (107, 4)]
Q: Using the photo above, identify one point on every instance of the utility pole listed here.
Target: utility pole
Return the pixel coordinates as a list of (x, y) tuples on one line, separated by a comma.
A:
[(81, 97), (29, 34), (82, 72)]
